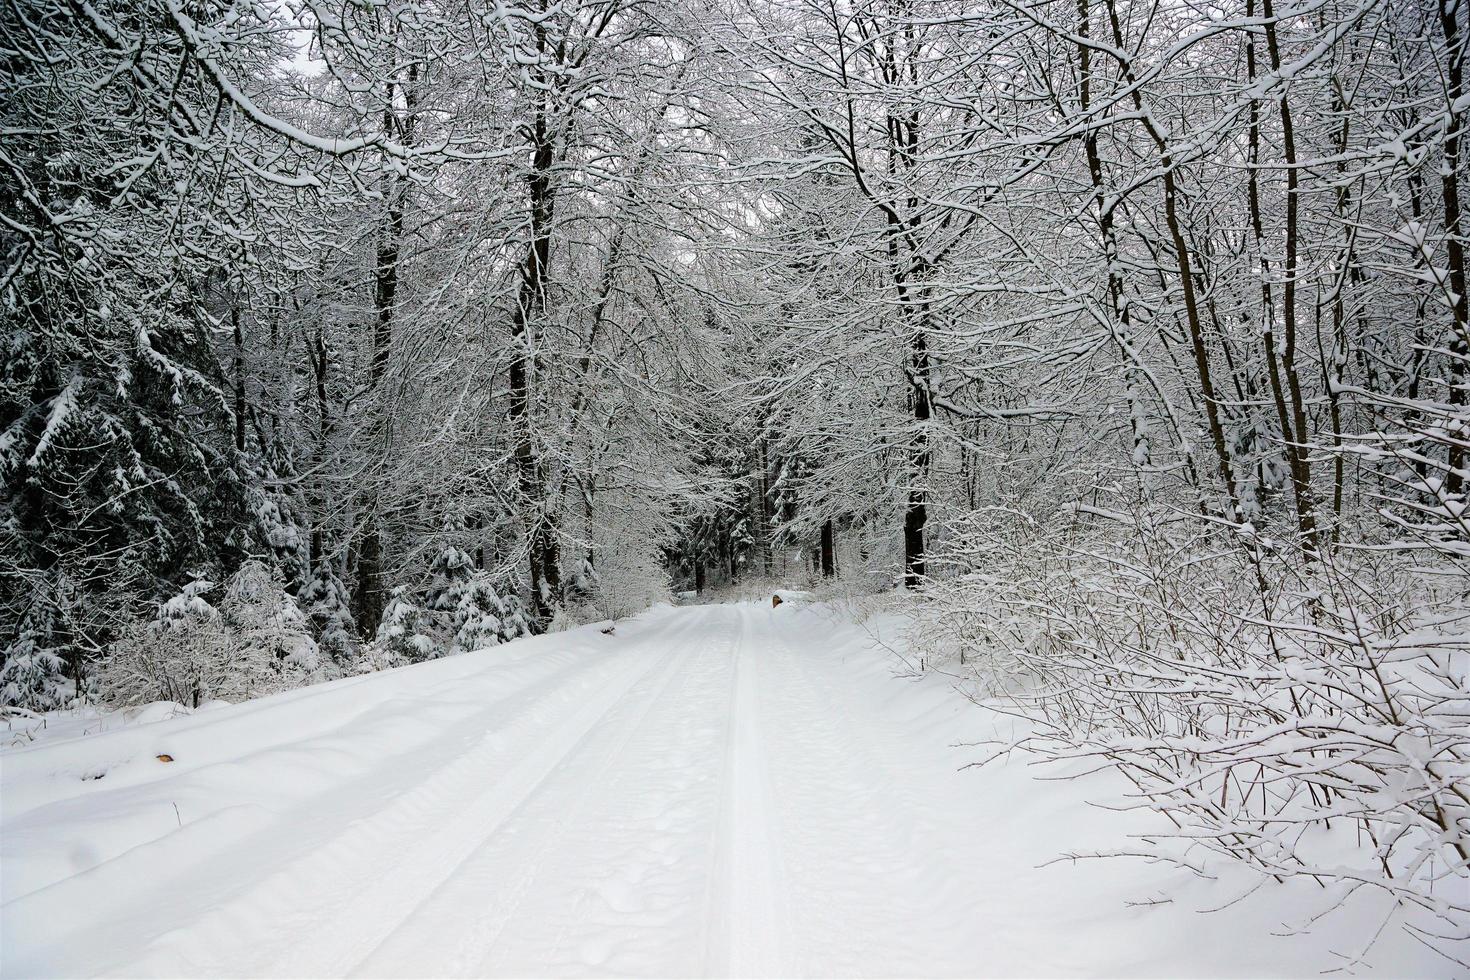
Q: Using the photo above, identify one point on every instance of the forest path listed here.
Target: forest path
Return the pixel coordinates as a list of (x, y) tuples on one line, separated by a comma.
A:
[(700, 793), (720, 817), (709, 791)]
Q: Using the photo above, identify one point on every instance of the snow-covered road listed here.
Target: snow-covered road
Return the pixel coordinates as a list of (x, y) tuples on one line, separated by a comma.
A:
[(716, 790)]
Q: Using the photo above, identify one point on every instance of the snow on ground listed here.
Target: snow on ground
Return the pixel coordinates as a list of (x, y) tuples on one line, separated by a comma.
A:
[(710, 790), (22, 728)]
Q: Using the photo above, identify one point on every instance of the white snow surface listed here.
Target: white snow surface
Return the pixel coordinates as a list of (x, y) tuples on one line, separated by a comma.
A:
[(708, 791)]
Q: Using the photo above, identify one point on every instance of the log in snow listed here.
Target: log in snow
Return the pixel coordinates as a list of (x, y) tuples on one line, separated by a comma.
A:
[(714, 790)]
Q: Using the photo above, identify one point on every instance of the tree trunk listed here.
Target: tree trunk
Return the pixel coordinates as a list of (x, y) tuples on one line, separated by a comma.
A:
[(368, 594), (319, 365), (1450, 12), (1198, 347), (762, 507), (1121, 326), (1300, 466), (239, 368), (829, 549), (542, 545), (916, 511)]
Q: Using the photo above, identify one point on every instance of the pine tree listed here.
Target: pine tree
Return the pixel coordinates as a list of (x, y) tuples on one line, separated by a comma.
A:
[(329, 609), (115, 472), (466, 609), (266, 622), (32, 674), (404, 635)]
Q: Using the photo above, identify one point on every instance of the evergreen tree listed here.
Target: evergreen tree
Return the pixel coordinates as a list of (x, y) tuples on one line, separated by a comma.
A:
[(467, 611), (114, 470), (329, 609), (403, 634)]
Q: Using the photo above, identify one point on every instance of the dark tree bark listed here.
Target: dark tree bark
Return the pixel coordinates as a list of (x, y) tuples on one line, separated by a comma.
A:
[(1296, 444), (829, 549), (1193, 320), (1122, 325), (1450, 12), (916, 513), (239, 369), (369, 593), (1291, 447), (319, 365), (761, 507), (542, 545)]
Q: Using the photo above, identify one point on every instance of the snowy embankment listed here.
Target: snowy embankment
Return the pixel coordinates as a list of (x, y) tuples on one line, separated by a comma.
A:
[(711, 790)]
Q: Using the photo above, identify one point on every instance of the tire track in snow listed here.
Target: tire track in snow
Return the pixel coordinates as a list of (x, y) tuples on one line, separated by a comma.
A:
[(748, 915), (473, 879), (158, 922), (661, 792), (330, 907), (513, 905), (867, 897)]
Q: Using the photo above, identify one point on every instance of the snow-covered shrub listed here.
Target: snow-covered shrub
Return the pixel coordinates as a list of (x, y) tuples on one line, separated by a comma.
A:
[(282, 531), (403, 634), (465, 608), (582, 580), (60, 620), (254, 642), (459, 610), (1305, 715), (31, 674), (580, 594), (629, 582), (329, 609), (178, 656), (263, 617), (482, 618)]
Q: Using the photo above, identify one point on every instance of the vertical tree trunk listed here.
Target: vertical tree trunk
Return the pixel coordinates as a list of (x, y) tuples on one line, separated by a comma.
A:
[(1296, 446), (829, 549), (1334, 367), (1121, 325), (542, 545), (239, 369), (1198, 347), (763, 507), (916, 513), (1290, 445), (319, 365), (589, 523), (908, 255), (369, 594), (1450, 12)]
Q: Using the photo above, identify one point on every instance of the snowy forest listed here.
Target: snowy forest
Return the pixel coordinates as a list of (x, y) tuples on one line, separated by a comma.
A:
[(1125, 343)]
